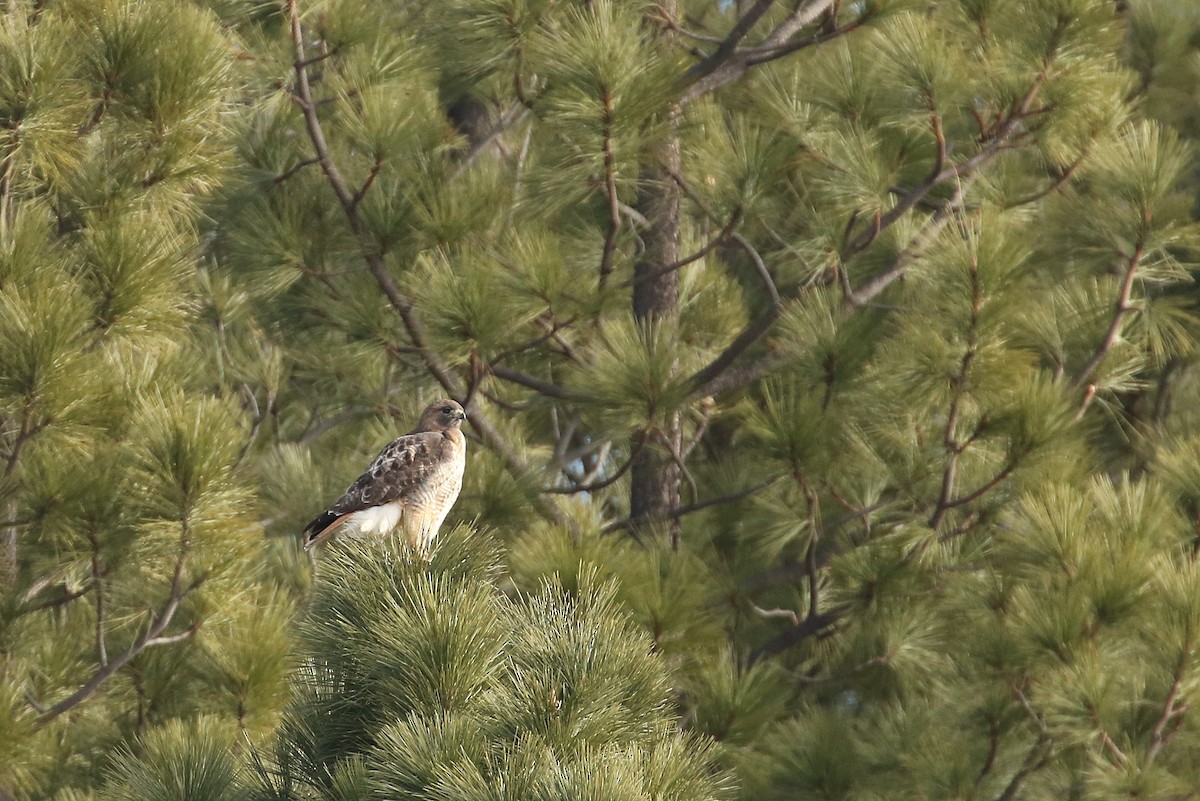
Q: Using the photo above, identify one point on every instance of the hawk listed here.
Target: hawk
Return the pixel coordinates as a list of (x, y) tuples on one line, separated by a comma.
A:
[(412, 483)]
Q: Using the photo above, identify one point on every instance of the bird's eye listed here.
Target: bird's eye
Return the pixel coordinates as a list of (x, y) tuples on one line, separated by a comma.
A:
[(447, 410)]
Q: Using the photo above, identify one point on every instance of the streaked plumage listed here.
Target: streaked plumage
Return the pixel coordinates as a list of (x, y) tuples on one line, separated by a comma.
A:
[(411, 484)]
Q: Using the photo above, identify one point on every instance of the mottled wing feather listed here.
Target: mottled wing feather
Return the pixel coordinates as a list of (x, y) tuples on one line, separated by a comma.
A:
[(400, 467)]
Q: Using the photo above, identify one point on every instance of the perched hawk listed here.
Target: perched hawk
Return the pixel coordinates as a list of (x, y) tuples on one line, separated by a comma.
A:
[(412, 483)]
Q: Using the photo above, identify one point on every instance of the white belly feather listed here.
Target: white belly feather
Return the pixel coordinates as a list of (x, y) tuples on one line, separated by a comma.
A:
[(376, 520)]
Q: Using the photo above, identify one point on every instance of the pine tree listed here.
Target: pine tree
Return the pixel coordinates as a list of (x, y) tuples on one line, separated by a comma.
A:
[(425, 680), (838, 354), (129, 578), (853, 316)]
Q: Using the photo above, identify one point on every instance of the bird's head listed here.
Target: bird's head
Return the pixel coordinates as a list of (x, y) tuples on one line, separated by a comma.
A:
[(442, 415)]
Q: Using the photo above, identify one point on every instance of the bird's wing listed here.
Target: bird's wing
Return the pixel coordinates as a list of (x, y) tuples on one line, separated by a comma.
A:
[(399, 469)]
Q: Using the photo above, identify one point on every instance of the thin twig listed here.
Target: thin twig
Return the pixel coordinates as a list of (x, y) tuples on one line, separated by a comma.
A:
[(295, 168), (754, 331), (97, 572), (707, 248), (954, 448), (1123, 307), (1160, 736), (610, 189), (640, 442), (802, 16), (371, 176), (681, 511), (544, 388), (768, 614)]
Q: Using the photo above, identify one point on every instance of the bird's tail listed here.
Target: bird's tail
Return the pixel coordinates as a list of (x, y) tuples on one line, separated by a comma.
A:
[(319, 528)]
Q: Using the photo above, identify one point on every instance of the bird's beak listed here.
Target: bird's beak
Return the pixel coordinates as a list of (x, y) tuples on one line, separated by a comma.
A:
[(462, 415)]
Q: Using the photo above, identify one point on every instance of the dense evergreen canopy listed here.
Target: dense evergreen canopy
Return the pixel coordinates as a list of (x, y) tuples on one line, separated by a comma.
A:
[(829, 370)]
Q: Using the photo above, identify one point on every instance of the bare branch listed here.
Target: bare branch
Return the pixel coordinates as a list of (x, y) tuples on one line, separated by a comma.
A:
[(148, 638), (811, 626), (598, 460), (610, 189), (767, 614), (751, 334), (803, 15), (174, 638), (536, 384), (727, 48), (708, 247), (1160, 736), (639, 444), (1123, 307), (675, 514), (732, 68)]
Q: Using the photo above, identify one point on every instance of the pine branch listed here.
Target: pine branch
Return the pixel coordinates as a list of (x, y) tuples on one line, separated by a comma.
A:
[(639, 444), (1035, 760), (899, 266), (294, 169), (26, 433), (742, 376), (729, 62), (6, 192), (598, 460), (97, 572), (610, 189), (60, 600), (375, 262), (148, 638), (988, 485), (954, 448), (771, 614), (1059, 181), (1160, 736), (813, 625), (700, 380), (544, 388), (1123, 307), (764, 55), (512, 116), (725, 51), (703, 380), (938, 174), (811, 568), (370, 179), (998, 139), (722, 237)]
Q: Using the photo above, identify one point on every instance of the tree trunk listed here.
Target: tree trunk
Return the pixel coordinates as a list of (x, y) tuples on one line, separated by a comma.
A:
[(656, 475)]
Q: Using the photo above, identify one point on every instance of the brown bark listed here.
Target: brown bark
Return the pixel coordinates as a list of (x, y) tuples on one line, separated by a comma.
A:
[(656, 474)]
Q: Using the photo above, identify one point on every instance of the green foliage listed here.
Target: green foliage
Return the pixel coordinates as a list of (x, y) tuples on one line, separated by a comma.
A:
[(425, 680), (128, 527), (831, 369), (179, 763)]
